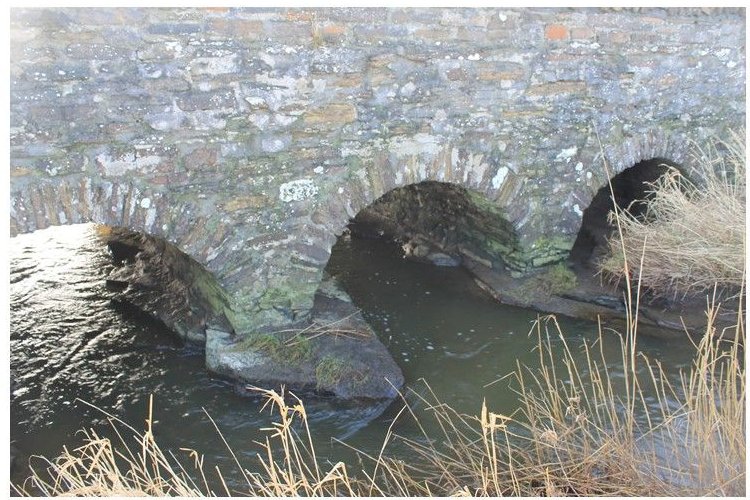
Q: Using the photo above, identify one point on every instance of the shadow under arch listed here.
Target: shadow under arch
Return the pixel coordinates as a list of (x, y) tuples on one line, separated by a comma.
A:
[(442, 223), (630, 191)]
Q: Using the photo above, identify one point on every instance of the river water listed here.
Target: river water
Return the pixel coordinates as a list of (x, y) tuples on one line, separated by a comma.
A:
[(70, 342)]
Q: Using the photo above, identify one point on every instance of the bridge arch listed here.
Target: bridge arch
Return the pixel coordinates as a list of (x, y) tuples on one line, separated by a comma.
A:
[(133, 211), (630, 165)]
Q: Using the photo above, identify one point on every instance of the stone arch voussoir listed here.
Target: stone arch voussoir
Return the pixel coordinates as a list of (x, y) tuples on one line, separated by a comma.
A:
[(616, 159), (417, 159), (43, 203), (616, 156)]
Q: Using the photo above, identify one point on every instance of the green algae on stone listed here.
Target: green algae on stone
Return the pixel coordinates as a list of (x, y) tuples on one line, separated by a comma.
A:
[(293, 351), (332, 371)]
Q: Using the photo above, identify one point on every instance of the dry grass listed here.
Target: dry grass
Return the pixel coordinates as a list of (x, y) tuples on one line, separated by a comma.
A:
[(579, 430), (134, 465), (331, 328), (693, 234), (574, 436)]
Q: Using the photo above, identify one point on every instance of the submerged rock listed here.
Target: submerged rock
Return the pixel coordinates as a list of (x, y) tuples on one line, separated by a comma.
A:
[(443, 260)]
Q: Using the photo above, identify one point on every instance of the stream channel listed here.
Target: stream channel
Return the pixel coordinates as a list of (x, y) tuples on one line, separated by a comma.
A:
[(69, 341)]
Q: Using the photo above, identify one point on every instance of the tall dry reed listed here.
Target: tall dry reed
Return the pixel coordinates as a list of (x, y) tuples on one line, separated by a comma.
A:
[(693, 233), (580, 429)]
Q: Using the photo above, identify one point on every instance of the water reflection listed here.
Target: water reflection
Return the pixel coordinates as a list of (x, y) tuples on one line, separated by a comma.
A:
[(69, 341)]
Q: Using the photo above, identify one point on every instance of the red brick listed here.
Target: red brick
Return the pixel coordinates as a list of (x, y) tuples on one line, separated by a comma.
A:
[(555, 32)]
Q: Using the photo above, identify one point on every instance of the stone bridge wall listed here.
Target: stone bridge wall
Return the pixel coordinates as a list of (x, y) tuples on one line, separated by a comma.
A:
[(248, 138)]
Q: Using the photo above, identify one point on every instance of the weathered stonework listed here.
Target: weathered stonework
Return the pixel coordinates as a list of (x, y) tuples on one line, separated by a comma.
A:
[(249, 137)]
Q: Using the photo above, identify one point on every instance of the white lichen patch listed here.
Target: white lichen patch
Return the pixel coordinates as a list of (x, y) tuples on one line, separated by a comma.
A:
[(297, 190), (215, 65), (150, 217), (408, 89), (567, 154), (500, 176), (126, 163), (476, 168), (365, 152), (399, 178), (417, 145), (260, 120)]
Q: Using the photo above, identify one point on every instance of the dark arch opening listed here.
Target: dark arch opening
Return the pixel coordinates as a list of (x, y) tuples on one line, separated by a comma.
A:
[(441, 223), (631, 188)]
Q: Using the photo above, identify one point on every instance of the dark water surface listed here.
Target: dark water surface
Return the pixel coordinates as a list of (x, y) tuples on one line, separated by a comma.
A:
[(69, 341)]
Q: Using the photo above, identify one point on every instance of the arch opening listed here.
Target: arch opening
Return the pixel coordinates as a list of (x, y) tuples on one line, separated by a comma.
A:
[(631, 189), (440, 223), (155, 277)]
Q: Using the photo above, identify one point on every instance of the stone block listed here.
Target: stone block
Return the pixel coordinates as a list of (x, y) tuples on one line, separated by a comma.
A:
[(203, 157), (332, 115), (161, 50), (214, 66), (95, 16), (380, 33), (96, 51), (58, 72), (583, 33), (196, 100), (251, 202), (456, 74), (62, 165), (301, 15), (342, 60), (208, 120), (165, 85), (49, 19), (617, 38), (556, 88), (555, 32), (242, 29), (297, 33), (275, 143), (188, 28)]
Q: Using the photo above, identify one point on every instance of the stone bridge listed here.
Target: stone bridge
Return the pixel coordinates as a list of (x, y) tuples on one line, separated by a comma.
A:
[(249, 138)]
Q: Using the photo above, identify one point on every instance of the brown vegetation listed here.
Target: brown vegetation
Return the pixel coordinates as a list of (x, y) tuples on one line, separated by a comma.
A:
[(693, 233), (571, 436)]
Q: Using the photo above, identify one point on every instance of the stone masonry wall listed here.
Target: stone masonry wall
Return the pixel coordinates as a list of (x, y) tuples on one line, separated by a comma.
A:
[(248, 138)]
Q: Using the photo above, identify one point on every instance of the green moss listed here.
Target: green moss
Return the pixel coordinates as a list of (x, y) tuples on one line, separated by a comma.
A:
[(560, 279), (554, 244), (295, 295), (294, 351), (332, 371), (555, 280)]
